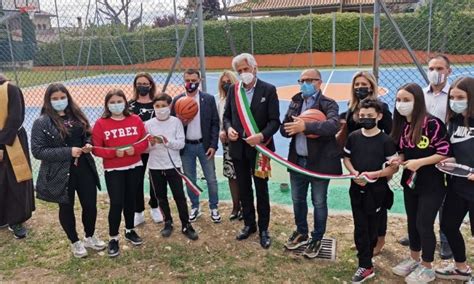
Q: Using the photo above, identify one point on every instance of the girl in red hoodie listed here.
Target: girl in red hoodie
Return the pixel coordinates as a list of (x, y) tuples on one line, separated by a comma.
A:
[(118, 138)]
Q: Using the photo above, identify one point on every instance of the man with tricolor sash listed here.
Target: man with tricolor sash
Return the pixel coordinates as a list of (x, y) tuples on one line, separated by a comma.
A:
[(251, 118), (16, 184), (320, 154)]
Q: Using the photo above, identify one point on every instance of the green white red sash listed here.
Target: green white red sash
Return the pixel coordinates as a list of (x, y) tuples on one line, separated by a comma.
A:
[(250, 127)]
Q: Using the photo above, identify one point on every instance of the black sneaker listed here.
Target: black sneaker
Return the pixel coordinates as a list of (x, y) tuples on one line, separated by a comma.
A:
[(167, 230), (363, 274), (189, 232), (312, 251), (296, 240), (405, 241), (3, 226), (113, 249), (18, 230), (133, 237)]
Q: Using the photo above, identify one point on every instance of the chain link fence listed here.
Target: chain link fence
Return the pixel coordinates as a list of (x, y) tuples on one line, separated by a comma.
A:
[(95, 45)]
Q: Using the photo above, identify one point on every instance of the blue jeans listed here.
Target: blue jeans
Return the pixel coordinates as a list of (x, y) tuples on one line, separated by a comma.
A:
[(299, 192), (190, 153)]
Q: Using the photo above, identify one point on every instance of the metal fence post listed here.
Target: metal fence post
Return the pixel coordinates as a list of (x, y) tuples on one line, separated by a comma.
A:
[(202, 52), (333, 40), (360, 36), (251, 31), (376, 40), (311, 35), (428, 48)]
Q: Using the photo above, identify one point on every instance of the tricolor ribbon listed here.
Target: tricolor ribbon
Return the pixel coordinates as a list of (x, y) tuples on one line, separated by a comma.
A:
[(193, 187), (250, 127)]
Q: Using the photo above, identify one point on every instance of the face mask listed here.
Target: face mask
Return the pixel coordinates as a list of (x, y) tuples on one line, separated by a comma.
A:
[(143, 90), (404, 108), (367, 123), (247, 78), (436, 78), (116, 109), (307, 89), (226, 87), (362, 92), (59, 105), (191, 87), (162, 113), (458, 106)]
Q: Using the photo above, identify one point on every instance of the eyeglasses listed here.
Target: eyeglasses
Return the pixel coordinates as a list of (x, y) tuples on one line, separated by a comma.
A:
[(309, 80)]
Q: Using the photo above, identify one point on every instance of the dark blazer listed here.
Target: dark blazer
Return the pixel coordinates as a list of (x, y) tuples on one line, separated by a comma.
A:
[(48, 146), (323, 152), (266, 112), (209, 119)]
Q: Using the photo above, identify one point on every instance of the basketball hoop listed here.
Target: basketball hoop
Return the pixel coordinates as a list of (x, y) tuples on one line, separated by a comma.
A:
[(29, 9)]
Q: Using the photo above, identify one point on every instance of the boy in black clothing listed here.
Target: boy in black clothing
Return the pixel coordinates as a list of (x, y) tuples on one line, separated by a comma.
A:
[(365, 153)]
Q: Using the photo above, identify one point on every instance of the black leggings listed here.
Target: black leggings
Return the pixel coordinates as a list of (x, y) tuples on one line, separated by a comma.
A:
[(454, 210), (422, 209), (82, 181), (140, 198), (160, 179), (122, 187)]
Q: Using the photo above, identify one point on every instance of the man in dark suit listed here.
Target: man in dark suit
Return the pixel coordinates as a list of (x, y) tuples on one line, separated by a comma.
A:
[(316, 154), (202, 134), (265, 110)]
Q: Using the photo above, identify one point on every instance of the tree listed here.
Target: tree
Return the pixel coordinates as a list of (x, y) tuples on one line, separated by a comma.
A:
[(114, 14), (164, 21), (211, 9)]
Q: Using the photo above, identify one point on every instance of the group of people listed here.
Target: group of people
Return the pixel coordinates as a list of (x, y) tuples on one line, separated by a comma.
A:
[(428, 126)]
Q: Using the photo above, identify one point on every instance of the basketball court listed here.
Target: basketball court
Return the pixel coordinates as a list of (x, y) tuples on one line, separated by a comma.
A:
[(89, 92)]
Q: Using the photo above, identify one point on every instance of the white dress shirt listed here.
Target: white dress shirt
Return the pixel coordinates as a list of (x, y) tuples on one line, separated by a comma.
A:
[(437, 104), (193, 131)]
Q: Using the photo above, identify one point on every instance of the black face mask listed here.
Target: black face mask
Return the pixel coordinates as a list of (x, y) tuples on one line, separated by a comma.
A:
[(143, 90), (226, 87), (191, 87), (367, 123), (362, 92)]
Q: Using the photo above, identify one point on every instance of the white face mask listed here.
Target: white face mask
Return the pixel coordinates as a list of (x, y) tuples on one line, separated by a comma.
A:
[(404, 108), (162, 113), (247, 78), (458, 106), (436, 78)]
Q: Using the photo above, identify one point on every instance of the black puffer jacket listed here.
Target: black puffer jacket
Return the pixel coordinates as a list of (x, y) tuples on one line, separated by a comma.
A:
[(55, 155)]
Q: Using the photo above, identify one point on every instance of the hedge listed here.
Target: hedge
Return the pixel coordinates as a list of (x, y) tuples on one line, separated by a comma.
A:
[(274, 35)]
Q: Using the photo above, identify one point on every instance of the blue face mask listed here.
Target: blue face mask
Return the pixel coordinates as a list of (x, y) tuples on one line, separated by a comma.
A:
[(307, 89), (116, 108), (59, 105), (458, 106)]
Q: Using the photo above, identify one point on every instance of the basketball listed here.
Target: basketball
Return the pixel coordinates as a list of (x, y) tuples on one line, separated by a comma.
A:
[(312, 115), (186, 108)]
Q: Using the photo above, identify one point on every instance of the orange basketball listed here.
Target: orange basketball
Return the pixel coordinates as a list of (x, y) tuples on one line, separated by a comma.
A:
[(312, 115), (186, 108)]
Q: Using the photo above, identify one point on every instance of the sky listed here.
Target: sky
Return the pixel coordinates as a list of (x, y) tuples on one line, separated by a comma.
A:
[(69, 10)]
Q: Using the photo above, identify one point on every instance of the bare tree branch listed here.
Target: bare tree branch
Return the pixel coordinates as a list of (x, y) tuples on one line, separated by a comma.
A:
[(134, 23)]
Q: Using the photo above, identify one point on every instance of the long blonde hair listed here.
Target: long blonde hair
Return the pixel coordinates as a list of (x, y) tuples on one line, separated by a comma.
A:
[(354, 101), (233, 79)]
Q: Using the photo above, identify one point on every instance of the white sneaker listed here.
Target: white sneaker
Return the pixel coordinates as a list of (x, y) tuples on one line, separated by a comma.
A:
[(421, 275), (215, 216), (195, 213), (405, 267), (78, 249), (156, 215), (94, 243), (139, 218)]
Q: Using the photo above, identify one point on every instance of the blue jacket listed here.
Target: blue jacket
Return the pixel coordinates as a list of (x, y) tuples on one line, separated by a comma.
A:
[(209, 119)]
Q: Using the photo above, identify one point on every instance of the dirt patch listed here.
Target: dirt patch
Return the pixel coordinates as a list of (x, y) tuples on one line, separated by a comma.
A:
[(216, 257)]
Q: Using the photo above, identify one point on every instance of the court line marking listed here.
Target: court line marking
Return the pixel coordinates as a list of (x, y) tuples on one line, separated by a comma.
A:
[(329, 80)]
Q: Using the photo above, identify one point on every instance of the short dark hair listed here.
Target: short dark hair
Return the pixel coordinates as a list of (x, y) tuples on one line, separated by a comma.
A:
[(192, 71), (441, 56), (163, 97), (371, 103)]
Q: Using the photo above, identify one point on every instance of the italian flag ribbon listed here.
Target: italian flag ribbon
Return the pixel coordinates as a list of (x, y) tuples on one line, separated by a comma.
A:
[(193, 187), (250, 127)]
